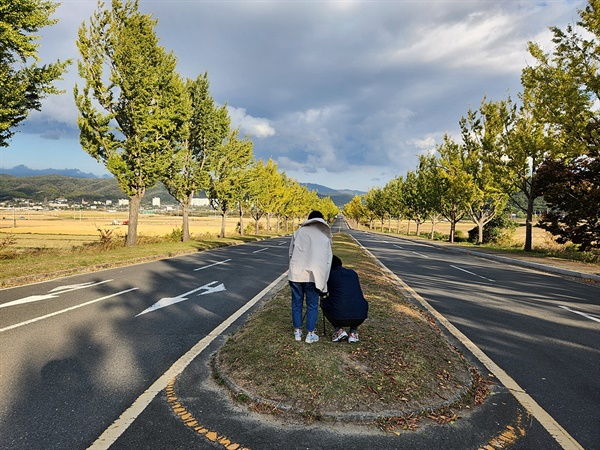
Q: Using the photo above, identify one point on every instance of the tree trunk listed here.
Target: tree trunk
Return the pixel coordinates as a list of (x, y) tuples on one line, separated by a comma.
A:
[(398, 230), (256, 227), (241, 222), (223, 221), (268, 222), (418, 223), (408, 228), (134, 212), (185, 225), (452, 229), (433, 222), (529, 224)]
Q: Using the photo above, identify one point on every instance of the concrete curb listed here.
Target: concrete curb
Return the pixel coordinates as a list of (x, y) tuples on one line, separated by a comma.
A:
[(356, 416)]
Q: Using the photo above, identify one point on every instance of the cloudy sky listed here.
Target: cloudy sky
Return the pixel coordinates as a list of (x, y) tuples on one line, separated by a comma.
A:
[(340, 93)]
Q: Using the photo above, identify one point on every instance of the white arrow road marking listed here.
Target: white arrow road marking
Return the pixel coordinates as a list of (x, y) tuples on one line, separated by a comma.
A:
[(588, 316), (211, 265), (27, 322), (210, 290), (168, 301), (470, 273), (112, 433), (421, 255), (58, 290)]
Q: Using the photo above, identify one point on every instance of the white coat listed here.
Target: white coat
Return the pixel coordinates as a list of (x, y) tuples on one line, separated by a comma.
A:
[(310, 254)]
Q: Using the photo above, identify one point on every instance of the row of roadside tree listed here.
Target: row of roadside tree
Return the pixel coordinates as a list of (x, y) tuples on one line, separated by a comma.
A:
[(147, 125), (545, 145)]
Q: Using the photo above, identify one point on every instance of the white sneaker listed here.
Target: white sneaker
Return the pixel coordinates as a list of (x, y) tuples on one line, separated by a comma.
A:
[(339, 335), (353, 337), (298, 335), (311, 337)]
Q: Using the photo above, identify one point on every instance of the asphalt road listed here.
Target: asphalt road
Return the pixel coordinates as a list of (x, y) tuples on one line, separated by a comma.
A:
[(543, 330), (78, 351), (86, 356)]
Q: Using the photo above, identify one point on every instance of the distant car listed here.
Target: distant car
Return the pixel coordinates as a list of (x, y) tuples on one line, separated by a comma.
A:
[(126, 222)]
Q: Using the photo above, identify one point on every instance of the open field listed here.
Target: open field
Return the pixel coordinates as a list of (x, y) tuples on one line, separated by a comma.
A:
[(65, 229), (541, 238)]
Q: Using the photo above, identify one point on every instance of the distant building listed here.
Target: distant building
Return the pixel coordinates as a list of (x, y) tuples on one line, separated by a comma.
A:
[(123, 202), (156, 202), (200, 202)]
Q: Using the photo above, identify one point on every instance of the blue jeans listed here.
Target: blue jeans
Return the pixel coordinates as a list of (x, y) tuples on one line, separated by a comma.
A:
[(299, 290)]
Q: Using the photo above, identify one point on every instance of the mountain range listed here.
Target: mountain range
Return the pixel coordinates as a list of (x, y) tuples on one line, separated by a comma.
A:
[(74, 185)]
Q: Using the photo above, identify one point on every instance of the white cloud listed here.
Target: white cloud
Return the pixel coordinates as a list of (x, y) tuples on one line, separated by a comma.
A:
[(253, 126)]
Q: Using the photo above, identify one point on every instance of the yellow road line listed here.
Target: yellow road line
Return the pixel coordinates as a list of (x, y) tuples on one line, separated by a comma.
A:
[(190, 421), (113, 432)]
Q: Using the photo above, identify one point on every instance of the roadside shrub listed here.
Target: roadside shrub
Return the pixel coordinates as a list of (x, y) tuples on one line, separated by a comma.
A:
[(105, 237), (437, 236), (459, 236), (497, 231), (251, 228), (176, 235), (7, 242)]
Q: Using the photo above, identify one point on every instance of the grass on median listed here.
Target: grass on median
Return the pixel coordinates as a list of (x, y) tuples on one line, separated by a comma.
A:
[(401, 364)]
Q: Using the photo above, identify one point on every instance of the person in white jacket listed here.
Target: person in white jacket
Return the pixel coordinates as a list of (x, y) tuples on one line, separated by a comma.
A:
[(310, 263)]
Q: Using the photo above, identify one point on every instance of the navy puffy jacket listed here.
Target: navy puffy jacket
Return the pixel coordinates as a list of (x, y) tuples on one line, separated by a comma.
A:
[(345, 300)]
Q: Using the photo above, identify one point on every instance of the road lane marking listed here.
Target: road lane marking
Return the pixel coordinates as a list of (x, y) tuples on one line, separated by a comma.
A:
[(396, 245), (261, 250), (113, 432), (559, 434), (168, 301), (471, 273), (37, 319), (588, 316), (190, 421), (421, 255), (211, 265), (53, 293)]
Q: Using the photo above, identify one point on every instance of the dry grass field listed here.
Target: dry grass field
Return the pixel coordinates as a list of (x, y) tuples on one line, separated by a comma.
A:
[(65, 229), (541, 238)]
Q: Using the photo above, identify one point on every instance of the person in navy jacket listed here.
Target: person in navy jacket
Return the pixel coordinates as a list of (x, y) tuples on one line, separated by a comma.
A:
[(345, 306)]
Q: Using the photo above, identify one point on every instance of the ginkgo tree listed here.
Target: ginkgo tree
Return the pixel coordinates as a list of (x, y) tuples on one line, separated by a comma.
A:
[(483, 132), (23, 81), (205, 129), (130, 108), (266, 191), (229, 174), (457, 187)]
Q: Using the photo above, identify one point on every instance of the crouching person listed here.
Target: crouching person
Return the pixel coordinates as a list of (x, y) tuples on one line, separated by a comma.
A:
[(345, 306)]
